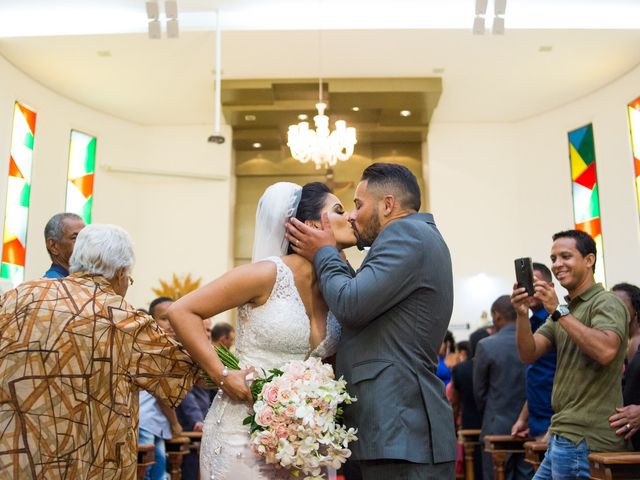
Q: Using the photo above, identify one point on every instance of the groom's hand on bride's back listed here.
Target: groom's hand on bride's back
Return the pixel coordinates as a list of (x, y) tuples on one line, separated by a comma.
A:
[(306, 240)]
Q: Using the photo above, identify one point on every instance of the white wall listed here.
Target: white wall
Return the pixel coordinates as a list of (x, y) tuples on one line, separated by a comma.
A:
[(179, 225), (500, 191), (472, 194)]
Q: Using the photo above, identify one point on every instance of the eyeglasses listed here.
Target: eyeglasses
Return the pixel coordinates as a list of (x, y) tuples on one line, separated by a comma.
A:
[(130, 279)]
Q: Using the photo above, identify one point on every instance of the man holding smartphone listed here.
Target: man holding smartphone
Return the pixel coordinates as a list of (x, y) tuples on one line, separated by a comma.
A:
[(589, 335)]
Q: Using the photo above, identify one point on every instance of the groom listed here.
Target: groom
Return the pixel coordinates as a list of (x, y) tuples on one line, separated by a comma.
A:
[(394, 314)]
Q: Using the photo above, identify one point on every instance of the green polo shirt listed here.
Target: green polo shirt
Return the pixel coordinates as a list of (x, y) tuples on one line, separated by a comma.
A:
[(585, 393)]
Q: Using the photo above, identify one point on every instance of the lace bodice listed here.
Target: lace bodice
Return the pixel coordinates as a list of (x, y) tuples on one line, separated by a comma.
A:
[(276, 332), (269, 336)]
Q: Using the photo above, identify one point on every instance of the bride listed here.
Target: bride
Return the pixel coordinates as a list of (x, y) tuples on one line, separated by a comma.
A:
[(282, 317)]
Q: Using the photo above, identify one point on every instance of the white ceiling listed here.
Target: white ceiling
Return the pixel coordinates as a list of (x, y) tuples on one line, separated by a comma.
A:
[(83, 17), (486, 78)]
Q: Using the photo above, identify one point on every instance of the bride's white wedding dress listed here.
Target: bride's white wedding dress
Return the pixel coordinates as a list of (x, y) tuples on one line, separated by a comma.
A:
[(268, 336)]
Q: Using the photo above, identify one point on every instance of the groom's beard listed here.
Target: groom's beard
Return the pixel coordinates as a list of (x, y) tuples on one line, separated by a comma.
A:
[(369, 233)]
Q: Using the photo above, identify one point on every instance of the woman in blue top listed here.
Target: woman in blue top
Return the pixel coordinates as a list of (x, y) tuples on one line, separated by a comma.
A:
[(447, 358)]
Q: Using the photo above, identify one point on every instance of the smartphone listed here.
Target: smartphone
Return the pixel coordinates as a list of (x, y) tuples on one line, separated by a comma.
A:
[(524, 274)]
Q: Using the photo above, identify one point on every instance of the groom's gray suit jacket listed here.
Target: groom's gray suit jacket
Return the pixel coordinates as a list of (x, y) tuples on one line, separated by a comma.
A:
[(394, 314)]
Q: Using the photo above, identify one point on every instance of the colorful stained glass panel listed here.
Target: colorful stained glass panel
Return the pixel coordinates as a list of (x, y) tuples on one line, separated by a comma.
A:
[(586, 202), (14, 239), (82, 162), (634, 125)]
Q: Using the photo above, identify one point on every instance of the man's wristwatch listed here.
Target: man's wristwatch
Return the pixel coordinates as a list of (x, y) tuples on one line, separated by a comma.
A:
[(559, 312)]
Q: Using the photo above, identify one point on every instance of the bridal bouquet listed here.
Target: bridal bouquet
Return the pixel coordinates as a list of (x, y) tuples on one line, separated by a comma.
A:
[(296, 421)]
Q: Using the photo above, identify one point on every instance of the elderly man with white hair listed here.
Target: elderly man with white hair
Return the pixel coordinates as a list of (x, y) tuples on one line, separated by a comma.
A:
[(73, 355)]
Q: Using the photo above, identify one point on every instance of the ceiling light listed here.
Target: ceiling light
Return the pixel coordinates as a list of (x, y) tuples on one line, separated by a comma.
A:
[(171, 9), (321, 146), (355, 109), (405, 113), (104, 53), (153, 12), (438, 70), (478, 26), (257, 145), (545, 48), (498, 26), (303, 116), (250, 118), (481, 7), (172, 28), (155, 31)]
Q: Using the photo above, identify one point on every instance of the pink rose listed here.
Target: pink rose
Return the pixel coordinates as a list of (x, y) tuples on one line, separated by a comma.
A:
[(285, 395), (282, 432), (307, 376), (268, 439), (265, 417), (290, 411), (270, 394)]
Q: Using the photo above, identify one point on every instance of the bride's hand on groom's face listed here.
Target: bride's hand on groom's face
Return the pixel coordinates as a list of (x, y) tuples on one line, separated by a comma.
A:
[(306, 240), (236, 386)]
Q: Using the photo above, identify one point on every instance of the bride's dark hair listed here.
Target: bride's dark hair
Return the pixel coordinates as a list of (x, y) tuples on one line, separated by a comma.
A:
[(312, 200)]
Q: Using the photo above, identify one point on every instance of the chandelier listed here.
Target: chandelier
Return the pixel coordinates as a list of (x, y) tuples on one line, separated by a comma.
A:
[(321, 146)]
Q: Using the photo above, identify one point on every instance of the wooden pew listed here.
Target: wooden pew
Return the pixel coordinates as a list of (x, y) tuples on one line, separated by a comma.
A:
[(195, 438), (469, 439), (615, 466), (146, 458), (534, 453), (499, 446), (176, 449)]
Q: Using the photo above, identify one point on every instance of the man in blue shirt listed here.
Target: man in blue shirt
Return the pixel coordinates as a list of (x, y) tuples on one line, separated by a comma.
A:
[(154, 428), (535, 417), (60, 236), (158, 422)]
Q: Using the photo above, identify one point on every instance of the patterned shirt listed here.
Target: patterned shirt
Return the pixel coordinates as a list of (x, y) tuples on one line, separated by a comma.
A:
[(73, 355)]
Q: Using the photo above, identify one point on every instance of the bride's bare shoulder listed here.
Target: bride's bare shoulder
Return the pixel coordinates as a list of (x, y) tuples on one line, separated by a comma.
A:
[(263, 275), (257, 278), (263, 272)]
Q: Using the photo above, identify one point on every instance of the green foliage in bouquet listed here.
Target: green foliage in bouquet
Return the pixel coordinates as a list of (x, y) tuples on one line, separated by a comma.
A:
[(227, 358), (230, 361)]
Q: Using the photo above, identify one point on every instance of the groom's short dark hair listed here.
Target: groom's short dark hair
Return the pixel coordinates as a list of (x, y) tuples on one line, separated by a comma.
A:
[(394, 179)]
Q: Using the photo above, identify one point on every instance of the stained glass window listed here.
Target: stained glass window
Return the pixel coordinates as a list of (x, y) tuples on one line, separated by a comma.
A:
[(82, 161), (14, 240), (634, 125), (586, 203)]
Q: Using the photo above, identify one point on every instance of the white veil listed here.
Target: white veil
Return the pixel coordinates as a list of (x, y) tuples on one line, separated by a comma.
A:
[(278, 203)]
